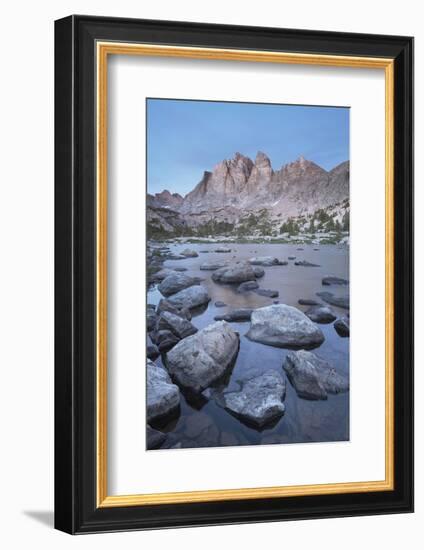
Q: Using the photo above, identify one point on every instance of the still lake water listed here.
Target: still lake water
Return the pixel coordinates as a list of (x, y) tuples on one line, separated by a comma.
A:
[(206, 424)]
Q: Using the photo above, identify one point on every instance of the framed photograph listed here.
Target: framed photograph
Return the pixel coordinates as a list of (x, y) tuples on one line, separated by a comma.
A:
[(234, 274)]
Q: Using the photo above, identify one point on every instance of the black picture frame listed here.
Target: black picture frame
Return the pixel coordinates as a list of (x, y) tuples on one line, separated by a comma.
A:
[(76, 510)]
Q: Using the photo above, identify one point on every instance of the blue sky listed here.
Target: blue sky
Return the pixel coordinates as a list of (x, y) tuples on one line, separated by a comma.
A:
[(185, 138)]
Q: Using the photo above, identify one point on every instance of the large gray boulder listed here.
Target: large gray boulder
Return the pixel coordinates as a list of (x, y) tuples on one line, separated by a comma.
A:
[(284, 326), (162, 274), (163, 397), (267, 261), (199, 360), (312, 377), (177, 325), (190, 298), (259, 400), (175, 282), (237, 273)]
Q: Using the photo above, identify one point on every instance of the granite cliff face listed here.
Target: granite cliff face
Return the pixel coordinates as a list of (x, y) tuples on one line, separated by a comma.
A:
[(239, 187)]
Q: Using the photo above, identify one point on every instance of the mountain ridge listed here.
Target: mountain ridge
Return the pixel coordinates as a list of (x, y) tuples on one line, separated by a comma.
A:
[(239, 186)]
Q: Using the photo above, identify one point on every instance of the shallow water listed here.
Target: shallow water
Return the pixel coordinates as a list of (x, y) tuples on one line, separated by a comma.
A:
[(207, 424)]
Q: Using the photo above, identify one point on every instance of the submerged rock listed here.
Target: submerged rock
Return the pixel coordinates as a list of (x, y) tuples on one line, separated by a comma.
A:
[(283, 326), (243, 314), (190, 298), (327, 281), (291, 257), (267, 293), (211, 266), (304, 263), (199, 360), (320, 314), (223, 250), (163, 397), (312, 377), (175, 282), (237, 273), (154, 438), (267, 261), (220, 304), (247, 285), (307, 302), (259, 400), (342, 327), (180, 327), (330, 298), (187, 253)]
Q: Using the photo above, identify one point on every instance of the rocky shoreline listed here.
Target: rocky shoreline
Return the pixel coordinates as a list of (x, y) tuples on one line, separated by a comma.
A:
[(188, 364)]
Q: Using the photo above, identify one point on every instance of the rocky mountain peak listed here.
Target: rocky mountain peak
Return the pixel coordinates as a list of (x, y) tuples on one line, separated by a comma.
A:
[(262, 159)]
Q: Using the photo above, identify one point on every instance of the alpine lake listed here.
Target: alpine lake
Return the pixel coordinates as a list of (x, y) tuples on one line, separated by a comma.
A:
[(202, 422)]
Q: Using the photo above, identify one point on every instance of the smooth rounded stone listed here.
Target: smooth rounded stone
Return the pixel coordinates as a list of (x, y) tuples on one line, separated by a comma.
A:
[(267, 293), (152, 351), (165, 340), (199, 360), (176, 282), (191, 297), (237, 273), (291, 257), (321, 314), (162, 274), (330, 298), (180, 269), (312, 377), (243, 314), (165, 305), (316, 249), (267, 261), (283, 326), (327, 281), (177, 325), (211, 266), (151, 319), (258, 271), (223, 250), (154, 438), (342, 327), (163, 397), (259, 400), (299, 248), (204, 251), (304, 263), (307, 302), (189, 253), (218, 303), (248, 285)]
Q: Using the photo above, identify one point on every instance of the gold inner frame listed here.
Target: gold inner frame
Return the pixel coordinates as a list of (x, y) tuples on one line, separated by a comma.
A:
[(103, 50)]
